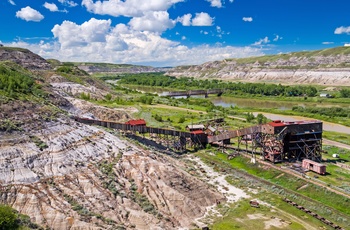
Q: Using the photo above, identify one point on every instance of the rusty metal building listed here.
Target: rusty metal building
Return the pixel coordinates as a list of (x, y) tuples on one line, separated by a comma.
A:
[(291, 140)]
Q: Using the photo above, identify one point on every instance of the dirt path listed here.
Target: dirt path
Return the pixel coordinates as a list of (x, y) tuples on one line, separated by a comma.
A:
[(335, 143), (296, 219), (233, 194)]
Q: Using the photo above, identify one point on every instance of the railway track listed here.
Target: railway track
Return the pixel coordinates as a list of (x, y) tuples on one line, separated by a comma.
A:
[(325, 221), (290, 172)]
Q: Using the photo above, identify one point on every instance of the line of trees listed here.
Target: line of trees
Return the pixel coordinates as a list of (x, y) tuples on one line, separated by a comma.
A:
[(13, 82), (330, 112), (158, 79)]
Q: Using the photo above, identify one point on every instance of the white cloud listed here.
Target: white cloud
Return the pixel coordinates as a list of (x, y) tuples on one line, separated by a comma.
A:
[(215, 3), (247, 19), (231, 1), (183, 38), (157, 21), (51, 6), (264, 40), (185, 20), (202, 19), (29, 14), (127, 8), (342, 30), (99, 41), (277, 38), (12, 2), (71, 35), (327, 43), (68, 3)]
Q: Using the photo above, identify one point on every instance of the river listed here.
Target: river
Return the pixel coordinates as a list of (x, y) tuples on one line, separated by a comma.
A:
[(245, 102), (255, 103)]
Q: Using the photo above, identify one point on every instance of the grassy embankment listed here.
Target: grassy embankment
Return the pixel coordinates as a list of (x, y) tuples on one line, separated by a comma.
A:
[(330, 205)]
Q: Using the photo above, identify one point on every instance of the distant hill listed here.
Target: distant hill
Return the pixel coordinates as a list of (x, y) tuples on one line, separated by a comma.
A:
[(328, 66), (115, 68), (23, 57)]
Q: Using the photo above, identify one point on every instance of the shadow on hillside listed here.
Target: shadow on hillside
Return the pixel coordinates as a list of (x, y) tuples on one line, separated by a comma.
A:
[(159, 146)]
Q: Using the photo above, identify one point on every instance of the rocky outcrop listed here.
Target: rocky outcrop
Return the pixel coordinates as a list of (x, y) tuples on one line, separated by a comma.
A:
[(297, 68), (86, 109), (73, 176), (24, 57)]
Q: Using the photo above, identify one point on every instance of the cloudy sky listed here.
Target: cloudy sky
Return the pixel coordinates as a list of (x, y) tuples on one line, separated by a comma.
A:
[(172, 32)]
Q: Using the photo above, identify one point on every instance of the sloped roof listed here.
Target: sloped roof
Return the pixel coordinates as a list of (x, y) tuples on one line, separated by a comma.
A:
[(195, 126), (212, 129), (136, 122), (197, 132)]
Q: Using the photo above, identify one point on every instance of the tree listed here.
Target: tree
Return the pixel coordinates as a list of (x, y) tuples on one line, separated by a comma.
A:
[(7, 218), (261, 119), (250, 117)]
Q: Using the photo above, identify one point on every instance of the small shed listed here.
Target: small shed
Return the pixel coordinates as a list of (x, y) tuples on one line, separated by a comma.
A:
[(199, 137), (314, 166), (210, 130)]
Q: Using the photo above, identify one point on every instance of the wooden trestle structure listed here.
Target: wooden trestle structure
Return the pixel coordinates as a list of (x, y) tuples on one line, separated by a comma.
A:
[(276, 141), (182, 137)]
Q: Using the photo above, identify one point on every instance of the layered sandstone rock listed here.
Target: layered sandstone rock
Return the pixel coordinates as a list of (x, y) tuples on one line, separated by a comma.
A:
[(73, 176)]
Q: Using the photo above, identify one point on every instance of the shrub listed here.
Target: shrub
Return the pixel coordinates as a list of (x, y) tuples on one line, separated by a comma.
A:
[(108, 97), (85, 96), (182, 119), (7, 218)]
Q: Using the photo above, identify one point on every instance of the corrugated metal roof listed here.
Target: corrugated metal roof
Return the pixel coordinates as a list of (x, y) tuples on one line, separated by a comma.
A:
[(212, 129), (277, 123), (195, 126)]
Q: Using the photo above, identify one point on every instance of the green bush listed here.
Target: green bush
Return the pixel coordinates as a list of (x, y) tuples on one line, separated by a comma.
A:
[(7, 218), (85, 96), (182, 119), (14, 82)]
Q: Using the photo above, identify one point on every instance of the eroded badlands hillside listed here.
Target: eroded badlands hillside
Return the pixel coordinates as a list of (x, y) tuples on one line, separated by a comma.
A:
[(325, 67), (87, 178), (68, 175)]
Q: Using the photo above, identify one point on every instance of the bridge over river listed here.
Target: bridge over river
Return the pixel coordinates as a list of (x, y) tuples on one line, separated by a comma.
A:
[(189, 93)]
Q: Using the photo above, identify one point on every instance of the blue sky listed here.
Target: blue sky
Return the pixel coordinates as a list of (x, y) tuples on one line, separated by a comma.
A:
[(172, 32)]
